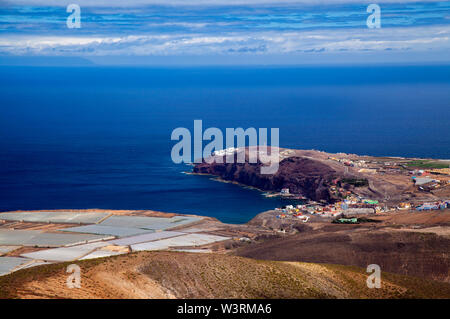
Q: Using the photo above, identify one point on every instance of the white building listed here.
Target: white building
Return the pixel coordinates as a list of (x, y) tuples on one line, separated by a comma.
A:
[(227, 151)]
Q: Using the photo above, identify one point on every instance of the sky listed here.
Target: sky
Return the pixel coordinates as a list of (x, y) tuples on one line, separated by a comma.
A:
[(226, 32)]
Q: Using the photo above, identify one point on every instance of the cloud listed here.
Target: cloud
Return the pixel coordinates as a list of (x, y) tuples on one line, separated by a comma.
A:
[(206, 31), (138, 3), (398, 39)]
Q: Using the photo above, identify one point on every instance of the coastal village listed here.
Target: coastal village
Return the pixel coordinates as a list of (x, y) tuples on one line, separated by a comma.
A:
[(351, 204), (365, 185)]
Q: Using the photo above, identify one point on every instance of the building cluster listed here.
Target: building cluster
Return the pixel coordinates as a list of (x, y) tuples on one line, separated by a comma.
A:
[(383, 167), (340, 192), (291, 211), (351, 206), (434, 205), (285, 154), (425, 180), (427, 183), (350, 163), (226, 152), (348, 207)]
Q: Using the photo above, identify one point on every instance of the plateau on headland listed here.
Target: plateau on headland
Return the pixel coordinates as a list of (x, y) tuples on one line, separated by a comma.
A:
[(330, 178)]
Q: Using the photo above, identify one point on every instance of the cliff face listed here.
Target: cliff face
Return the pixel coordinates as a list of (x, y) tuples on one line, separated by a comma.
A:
[(301, 175)]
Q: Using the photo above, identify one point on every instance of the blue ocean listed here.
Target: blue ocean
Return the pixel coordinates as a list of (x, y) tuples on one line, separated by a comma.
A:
[(99, 137)]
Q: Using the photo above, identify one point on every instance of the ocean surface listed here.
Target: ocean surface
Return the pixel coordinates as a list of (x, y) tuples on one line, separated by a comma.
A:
[(99, 137)]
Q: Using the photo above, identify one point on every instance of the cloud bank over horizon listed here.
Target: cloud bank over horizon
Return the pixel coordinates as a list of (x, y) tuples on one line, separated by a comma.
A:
[(141, 3), (248, 27)]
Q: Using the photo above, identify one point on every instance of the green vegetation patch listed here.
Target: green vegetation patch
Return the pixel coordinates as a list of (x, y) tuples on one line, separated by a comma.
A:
[(426, 164)]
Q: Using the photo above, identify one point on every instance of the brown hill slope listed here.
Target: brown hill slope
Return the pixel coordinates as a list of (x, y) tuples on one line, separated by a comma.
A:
[(187, 275), (399, 251)]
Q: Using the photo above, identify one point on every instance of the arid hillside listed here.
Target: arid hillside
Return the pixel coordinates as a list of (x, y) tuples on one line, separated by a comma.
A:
[(408, 243), (189, 275)]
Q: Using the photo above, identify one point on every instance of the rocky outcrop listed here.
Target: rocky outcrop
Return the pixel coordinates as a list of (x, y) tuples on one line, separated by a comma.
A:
[(301, 175)]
